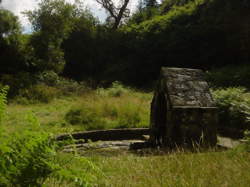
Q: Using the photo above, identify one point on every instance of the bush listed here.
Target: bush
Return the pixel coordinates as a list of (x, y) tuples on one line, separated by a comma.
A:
[(28, 158), (25, 157), (234, 107), (37, 93), (86, 117), (71, 87), (116, 90), (49, 78), (3, 102), (230, 76), (16, 82), (247, 141), (66, 86)]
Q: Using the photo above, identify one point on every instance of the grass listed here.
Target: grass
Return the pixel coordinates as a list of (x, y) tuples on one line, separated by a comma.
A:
[(105, 112), (50, 116), (180, 168), (211, 168), (127, 110), (176, 169)]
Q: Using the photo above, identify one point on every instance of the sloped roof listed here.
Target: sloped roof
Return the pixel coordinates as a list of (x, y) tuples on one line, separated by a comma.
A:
[(186, 87)]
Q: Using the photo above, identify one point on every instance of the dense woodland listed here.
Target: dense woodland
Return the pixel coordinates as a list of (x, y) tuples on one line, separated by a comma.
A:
[(69, 41)]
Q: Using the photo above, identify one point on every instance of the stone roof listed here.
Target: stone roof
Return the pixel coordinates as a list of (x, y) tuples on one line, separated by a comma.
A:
[(186, 87)]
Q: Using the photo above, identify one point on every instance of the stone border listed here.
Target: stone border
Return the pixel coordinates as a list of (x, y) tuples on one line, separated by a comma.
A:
[(108, 135)]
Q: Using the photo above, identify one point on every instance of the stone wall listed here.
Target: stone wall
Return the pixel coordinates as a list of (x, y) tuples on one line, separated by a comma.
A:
[(187, 126), (183, 110)]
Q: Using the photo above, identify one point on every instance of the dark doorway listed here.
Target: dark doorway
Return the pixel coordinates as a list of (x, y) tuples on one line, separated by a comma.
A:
[(160, 118)]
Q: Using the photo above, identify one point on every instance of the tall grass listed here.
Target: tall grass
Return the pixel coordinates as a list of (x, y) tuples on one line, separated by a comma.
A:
[(129, 108), (176, 169), (116, 107), (28, 156)]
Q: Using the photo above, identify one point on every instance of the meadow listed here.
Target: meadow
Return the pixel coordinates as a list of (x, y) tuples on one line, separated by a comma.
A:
[(121, 107)]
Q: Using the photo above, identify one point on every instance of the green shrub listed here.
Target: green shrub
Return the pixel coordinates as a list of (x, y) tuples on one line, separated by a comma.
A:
[(230, 76), (29, 158), (234, 107), (66, 86), (116, 90), (37, 93), (247, 141), (70, 87), (17, 82), (86, 117), (26, 159), (3, 102)]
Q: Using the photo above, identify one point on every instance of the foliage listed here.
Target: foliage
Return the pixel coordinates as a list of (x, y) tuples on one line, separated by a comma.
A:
[(11, 57), (25, 159), (37, 93), (116, 90), (234, 110), (43, 87), (52, 23), (167, 5), (246, 145), (3, 103), (115, 107), (28, 157), (67, 39), (21, 80), (9, 23), (229, 76), (152, 168), (64, 85), (116, 14), (86, 117), (193, 34)]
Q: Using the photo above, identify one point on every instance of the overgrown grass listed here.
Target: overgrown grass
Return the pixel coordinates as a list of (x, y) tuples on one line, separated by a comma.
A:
[(28, 156), (85, 112), (124, 107), (176, 169), (115, 107)]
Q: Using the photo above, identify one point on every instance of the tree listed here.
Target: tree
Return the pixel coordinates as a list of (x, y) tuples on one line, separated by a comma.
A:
[(150, 3), (11, 58), (116, 13), (52, 23), (9, 24)]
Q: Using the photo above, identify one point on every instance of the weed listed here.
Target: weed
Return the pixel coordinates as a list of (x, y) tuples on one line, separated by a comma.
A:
[(234, 107)]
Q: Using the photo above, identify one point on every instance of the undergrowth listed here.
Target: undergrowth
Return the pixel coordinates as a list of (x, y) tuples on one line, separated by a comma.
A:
[(233, 107), (115, 107), (28, 156), (230, 76), (35, 159)]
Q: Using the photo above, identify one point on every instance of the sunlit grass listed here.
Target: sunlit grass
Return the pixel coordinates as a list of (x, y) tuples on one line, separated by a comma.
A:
[(125, 109), (176, 169), (180, 168)]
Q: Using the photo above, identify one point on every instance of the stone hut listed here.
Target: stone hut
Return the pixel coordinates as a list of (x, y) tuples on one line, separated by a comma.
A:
[(182, 110)]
